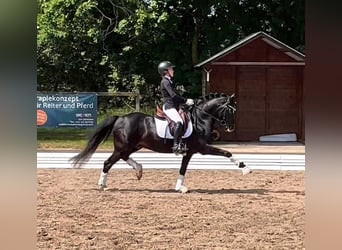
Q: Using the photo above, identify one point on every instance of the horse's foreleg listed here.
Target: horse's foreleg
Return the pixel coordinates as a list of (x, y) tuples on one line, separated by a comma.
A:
[(217, 151), (180, 181), (138, 167)]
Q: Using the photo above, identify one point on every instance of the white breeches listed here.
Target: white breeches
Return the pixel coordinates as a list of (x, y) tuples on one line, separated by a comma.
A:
[(173, 114)]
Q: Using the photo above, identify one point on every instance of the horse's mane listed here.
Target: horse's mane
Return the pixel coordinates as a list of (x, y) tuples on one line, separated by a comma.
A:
[(209, 97)]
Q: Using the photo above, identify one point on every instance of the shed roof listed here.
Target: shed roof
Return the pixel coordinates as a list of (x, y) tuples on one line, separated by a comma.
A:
[(267, 38)]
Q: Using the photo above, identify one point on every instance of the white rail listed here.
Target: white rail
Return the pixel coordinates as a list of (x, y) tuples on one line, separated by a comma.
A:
[(151, 160)]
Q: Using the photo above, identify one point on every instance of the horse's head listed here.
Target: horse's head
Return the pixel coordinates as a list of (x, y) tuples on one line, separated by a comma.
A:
[(222, 109), (226, 110)]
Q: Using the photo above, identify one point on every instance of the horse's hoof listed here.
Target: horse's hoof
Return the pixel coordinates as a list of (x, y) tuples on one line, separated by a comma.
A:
[(242, 165), (246, 170), (139, 174), (102, 187), (183, 189)]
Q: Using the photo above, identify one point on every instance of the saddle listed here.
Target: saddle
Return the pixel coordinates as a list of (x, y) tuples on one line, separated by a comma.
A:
[(171, 124)]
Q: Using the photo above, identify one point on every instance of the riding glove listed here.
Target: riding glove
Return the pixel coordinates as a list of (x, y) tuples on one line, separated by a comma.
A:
[(189, 102)]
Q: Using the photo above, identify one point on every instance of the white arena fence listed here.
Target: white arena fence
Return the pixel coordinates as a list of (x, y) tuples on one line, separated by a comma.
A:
[(152, 160)]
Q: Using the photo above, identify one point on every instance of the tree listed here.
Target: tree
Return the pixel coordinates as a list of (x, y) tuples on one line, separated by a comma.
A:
[(70, 56), (96, 45)]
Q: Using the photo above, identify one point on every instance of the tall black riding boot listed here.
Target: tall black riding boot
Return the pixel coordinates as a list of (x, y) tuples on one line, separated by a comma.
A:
[(177, 138)]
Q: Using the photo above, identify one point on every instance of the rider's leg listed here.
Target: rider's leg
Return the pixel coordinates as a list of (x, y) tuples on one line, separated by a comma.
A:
[(177, 138), (174, 115)]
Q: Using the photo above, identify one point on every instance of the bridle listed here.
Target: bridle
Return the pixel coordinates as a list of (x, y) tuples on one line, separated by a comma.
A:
[(222, 122)]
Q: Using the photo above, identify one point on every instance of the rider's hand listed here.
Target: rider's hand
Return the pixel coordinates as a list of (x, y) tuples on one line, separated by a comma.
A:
[(189, 102)]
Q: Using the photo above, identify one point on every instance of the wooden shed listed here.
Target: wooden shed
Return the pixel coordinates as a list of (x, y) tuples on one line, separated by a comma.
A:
[(266, 75)]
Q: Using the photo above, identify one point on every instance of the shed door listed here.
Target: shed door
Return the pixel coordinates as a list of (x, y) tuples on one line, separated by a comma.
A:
[(251, 116), (283, 103)]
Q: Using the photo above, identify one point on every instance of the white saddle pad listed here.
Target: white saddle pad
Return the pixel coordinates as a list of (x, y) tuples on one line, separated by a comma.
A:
[(161, 126)]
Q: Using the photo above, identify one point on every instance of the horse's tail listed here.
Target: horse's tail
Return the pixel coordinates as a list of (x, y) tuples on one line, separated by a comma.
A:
[(101, 134)]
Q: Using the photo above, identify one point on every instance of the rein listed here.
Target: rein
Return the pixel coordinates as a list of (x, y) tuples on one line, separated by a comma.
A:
[(222, 122)]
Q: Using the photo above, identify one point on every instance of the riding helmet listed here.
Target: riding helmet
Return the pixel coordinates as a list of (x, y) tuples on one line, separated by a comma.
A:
[(163, 66)]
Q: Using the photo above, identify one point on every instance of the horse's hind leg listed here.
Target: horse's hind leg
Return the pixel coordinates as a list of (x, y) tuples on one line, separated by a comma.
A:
[(138, 167), (106, 167)]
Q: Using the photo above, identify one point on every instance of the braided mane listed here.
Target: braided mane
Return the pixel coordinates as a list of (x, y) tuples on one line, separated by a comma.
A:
[(209, 97)]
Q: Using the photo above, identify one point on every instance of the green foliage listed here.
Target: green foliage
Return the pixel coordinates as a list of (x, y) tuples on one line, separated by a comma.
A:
[(69, 53), (91, 45)]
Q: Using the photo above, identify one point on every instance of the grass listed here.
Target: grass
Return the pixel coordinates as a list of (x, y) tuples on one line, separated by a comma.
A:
[(74, 138), (67, 138), (70, 138)]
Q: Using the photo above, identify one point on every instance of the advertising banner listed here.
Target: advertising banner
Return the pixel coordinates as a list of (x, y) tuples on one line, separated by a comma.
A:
[(66, 110)]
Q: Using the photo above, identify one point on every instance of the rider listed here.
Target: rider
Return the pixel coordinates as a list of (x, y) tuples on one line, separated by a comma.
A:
[(171, 102)]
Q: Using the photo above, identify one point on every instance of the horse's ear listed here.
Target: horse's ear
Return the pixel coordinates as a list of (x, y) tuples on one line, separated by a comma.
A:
[(233, 95)]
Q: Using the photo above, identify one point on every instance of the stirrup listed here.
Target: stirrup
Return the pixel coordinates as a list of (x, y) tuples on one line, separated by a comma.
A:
[(184, 147), (177, 149), (180, 148)]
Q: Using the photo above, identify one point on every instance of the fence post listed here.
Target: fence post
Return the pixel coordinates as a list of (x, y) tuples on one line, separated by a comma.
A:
[(137, 101)]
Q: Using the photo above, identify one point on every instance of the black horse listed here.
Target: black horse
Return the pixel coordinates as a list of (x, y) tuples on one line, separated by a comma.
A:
[(137, 130)]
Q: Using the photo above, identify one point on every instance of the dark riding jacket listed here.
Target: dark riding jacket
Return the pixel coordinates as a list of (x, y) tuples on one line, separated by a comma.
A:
[(169, 97)]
